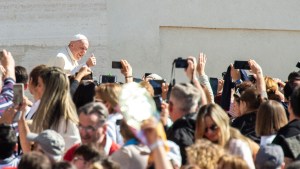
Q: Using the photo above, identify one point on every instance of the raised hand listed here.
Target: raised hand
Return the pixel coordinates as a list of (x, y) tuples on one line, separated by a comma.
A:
[(91, 61), (235, 73), (201, 64), (8, 64), (83, 71), (191, 69), (255, 67)]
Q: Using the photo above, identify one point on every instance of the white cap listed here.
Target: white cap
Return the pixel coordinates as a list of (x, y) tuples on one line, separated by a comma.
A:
[(78, 37)]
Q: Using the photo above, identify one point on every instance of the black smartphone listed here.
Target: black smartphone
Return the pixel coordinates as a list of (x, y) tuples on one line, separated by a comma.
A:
[(241, 65), (116, 65), (214, 85), (158, 101), (156, 84), (107, 79), (181, 63)]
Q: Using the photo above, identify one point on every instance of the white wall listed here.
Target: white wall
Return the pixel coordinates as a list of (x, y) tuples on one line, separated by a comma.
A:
[(150, 34), (35, 30)]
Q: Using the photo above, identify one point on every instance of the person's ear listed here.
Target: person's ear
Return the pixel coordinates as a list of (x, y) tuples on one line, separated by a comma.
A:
[(170, 107), (16, 147), (104, 128), (71, 44), (25, 86), (108, 105)]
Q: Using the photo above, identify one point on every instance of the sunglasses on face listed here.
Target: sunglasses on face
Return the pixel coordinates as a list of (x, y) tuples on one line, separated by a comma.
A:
[(212, 128)]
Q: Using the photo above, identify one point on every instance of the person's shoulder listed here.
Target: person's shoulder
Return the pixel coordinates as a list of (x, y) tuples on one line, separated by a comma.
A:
[(291, 129), (113, 148), (63, 52), (134, 149), (186, 120), (70, 152)]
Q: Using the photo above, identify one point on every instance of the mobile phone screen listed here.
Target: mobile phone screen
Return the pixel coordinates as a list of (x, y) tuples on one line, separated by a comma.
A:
[(107, 79), (214, 85), (18, 93), (241, 65), (158, 101), (116, 65)]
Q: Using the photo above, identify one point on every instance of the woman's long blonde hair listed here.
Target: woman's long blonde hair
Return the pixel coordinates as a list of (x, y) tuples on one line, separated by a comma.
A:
[(56, 103), (221, 119), (109, 92)]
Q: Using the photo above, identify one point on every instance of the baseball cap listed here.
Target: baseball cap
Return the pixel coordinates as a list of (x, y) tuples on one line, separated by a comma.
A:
[(154, 76), (51, 142), (78, 37), (269, 156)]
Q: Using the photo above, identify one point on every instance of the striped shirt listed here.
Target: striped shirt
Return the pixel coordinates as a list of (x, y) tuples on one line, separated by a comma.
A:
[(6, 95)]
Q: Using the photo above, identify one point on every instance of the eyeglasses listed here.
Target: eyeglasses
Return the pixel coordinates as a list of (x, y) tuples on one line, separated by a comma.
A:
[(88, 129), (77, 158), (212, 128)]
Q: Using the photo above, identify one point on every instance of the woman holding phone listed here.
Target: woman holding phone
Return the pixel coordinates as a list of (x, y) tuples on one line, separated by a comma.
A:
[(56, 110)]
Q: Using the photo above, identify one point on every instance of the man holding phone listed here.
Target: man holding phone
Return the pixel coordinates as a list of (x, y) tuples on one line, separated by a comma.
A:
[(68, 57), (6, 95)]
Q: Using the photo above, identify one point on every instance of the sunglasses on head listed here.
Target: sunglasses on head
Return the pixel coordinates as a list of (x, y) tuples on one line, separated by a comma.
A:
[(213, 128)]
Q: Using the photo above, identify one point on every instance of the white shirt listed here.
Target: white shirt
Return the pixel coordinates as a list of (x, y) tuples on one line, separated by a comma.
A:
[(66, 61), (33, 109), (264, 140), (10, 162), (70, 133), (113, 129), (242, 149)]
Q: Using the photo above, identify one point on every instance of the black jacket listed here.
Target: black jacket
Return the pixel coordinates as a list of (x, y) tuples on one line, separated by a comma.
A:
[(246, 125), (285, 135), (182, 132)]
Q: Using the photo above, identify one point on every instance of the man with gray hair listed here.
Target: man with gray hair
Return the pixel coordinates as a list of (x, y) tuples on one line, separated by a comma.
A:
[(183, 104), (68, 57), (93, 129)]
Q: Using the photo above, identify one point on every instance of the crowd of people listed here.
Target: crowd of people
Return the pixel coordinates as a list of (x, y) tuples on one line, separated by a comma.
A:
[(252, 121)]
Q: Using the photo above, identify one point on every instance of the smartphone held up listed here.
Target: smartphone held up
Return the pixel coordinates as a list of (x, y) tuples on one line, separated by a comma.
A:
[(18, 90), (181, 63), (116, 65), (241, 65)]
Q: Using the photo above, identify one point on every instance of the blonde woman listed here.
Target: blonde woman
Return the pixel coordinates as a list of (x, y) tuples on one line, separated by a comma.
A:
[(273, 90), (108, 94), (213, 124), (56, 110)]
